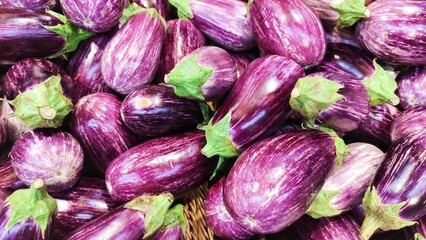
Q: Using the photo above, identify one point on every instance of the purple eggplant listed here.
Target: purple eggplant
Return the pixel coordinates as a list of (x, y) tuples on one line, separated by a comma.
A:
[(343, 36), (36, 5), (242, 60), (181, 39), (412, 120), (9, 180), (418, 231), (218, 217), (395, 31), (28, 214), (13, 125), (288, 28), (155, 110), (206, 74), (141, 217), (162, 6), (257, 103), (411, 85), (397, 197), (97, 124), (55, 157), (174, 225), (223, 21), (129, 61)]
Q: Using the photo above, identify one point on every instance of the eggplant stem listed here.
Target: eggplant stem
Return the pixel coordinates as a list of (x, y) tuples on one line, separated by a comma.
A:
[(47, 112)]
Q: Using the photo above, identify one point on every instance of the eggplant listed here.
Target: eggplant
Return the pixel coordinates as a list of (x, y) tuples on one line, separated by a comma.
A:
[(242, 60), (3, 195), (156, 111), (162, 6), (342, 35), (299, 35), (288, 127), (410, 87), (87, 200), (181, 39), (206, 74), (97, 125), (13, 125), (141, 217), (412, 120), (274, 182), (35, 34), (218, 217), (225, 22), (397, 197), (257, 103), (37, 5), (345, 187), (416, 232), (9, 181), (129, 61), (28, 214), (168, 164), (56, 157), (174, 225), (395, 31)]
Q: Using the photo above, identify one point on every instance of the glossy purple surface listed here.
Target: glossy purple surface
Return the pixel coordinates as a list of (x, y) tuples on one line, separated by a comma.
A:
[(9, 180), (162, 6), (273, 183), (36, 5), (409, 121), (411, 87), (419, 228), (342, 35)]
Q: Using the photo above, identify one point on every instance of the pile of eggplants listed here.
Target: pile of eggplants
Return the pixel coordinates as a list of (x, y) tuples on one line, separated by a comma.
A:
[(306, 119)]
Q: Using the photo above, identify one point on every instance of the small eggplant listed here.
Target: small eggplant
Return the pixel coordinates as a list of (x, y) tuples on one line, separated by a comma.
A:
[(174, 225), (36, 5), (9, 181), (418, 231), (412, 120), (411, 85)]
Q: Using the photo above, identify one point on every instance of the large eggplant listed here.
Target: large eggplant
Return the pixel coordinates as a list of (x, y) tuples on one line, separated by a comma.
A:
[(223, 21), (37, 5), (9, 180), (97, 125), (418, 231), (274, 182), (169, 164), (174, 225), (288, 28), (395, 31), (411, 85), (412, 120), (257, 103), (129, 61)]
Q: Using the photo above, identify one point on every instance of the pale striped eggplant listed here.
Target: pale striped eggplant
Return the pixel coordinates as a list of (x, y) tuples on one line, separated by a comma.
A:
[(412, 120), (36, 5), (411, 85)]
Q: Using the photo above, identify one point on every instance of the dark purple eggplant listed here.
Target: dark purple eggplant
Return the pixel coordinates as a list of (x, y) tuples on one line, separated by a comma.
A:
[(412, 120), (156, 111), (141, 217), (97, 124), (129, 61), (36, 5), (54, 157), (288, 28), (3, 195), (174, 225), (417, 231), (87, 200), (397, 197), (206, 74), (28, 214), (9, 180), (395, 31), (342, 35), (218, 217), (162, 6), (223, 21), (257, 103), (411, 85)]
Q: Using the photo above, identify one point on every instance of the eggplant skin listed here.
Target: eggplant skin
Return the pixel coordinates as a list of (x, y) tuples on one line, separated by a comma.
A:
[(9, 181), (36, 5), (174, 233), (411, 85), (409, 121)]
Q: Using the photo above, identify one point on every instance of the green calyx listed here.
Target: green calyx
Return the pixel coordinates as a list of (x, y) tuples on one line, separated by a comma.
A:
[(220, 165), (183, 7), (418, 236), (381, 87), (320, 207), (33, 203), (207, 113), (249, 3), (72, 34), (350, 11), (155, 209), (341, 147), (380, 216), (134, 8), (44, 106), (188, 76), (311, 95), (175, 217)]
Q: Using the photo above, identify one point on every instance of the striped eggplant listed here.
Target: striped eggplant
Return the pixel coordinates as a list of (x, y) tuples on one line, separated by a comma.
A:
[(181, 39), (36, 34), (36, 5), (13, 125), (242, 60), (345, 187), (28, 214), (206, 74), (412, 120), (169, 164), (53, 156), (155, 110), (342, 35), (395, 31), (97, 125), (141, 217), (223, 21), (257, 103), (9, 180), (87, 200), (288, 28), (416, 232), (3, 195), (411, 85), (397, 197), (174, 225), (162, 6), (218, 217), (130, 61), (274, 182)]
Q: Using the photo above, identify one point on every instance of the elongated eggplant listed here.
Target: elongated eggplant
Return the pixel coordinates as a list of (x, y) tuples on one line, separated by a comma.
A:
[(162, 6), (417, 231), (411, 85), (156, 111), (218, 217), (141, 217), (169, 164), (412, 120), (395, 31), (299, 35), (223, 21), (174, 225), (9, 180), (97, 124), (37, 5), (257, 103), (129, 61), (206, 74)]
